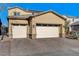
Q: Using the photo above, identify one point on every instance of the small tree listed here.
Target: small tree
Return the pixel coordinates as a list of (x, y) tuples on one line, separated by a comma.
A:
[(67, 27)]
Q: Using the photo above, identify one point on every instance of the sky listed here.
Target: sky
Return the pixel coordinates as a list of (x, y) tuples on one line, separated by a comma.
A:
[(68, 9)]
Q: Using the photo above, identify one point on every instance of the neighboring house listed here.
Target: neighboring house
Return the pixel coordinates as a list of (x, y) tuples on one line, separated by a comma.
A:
[(75, 26), (72, 20), (31, 24), (0, 26)]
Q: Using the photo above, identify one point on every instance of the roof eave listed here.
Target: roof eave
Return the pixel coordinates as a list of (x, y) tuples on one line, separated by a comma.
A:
[(51, 12), (10, 17)]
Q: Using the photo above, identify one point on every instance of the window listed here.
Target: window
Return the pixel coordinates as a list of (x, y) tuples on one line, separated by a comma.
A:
[(47, 24), (15, 24), (38, 24), (19, 24), (16, 13), (22, 24), (50, 25), (44, 24)]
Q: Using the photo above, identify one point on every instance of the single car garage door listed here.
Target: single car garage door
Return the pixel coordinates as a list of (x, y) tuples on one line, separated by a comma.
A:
[(19, 31), (45, 31)]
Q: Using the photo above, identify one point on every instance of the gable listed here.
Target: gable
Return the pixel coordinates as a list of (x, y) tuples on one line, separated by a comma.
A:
[(22, 12), (49, 17), (51, 12)]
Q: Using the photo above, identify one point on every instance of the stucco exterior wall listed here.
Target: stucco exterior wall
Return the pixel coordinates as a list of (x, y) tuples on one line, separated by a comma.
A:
[(48, 18), (17, 21), (11, 12)]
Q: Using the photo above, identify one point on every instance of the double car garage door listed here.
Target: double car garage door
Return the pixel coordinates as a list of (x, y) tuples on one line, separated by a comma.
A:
[(42, 31), (47, 31)]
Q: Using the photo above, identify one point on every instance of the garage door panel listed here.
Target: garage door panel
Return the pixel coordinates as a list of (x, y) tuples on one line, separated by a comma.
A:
[(19, 31), (47, 32)]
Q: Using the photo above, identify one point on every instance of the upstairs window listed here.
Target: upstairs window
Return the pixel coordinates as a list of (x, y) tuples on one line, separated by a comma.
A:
[(16, 13)]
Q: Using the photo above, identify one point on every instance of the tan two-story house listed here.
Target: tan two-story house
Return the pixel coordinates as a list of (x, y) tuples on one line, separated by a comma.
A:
[(35, 24)]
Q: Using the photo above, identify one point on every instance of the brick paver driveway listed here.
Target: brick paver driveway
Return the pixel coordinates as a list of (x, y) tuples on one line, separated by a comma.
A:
[(40, 47)]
